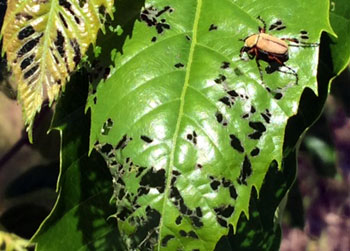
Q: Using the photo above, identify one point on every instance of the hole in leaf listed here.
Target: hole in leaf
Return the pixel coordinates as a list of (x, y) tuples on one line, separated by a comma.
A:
[(236, 143), (225, 65), (246, 171), (252, 109), (31, 71), (26, 32), (27, 61), (225, 183), (146, 139), (196, 221), (221, 78), (213, 27), (233, 192), (179, 65), (232, 93), (166, 239), (226, 101), (63, 20), (27, 47), (255, 152), (154, 179), (214, 184), (123, 142), (182, 233), (178, 220), (59, 43), (192, 234), (107, 126), (77, 53), (199, 212)]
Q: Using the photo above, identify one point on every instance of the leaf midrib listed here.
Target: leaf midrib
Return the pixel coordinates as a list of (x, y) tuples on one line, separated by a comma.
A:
[(181, 112), (43, 61)]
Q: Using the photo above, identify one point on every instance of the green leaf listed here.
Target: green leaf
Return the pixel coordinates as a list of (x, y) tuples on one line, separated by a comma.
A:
[(340, 45), (44, 41), (187, 128), (81, 218)]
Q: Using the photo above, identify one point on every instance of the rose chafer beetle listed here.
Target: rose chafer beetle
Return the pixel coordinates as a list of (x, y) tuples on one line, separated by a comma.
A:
[(271, 49)]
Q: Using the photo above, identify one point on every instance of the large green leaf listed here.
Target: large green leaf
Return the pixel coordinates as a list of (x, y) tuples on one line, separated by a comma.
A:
[(80, 219), (44, 41), (188, 128)]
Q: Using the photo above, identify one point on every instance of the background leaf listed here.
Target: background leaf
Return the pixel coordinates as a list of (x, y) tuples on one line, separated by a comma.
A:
[(340, 46), (187, 128), (44, 41), (79, 220)]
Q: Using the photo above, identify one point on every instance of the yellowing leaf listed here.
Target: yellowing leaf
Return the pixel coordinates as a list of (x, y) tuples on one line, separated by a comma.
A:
[(44, 41)]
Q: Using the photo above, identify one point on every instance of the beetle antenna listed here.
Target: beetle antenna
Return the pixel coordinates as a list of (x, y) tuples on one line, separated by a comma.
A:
[(262, 30)]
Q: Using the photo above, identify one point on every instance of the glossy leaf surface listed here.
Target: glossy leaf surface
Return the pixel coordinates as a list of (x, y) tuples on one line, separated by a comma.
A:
[(187, 127), (44, 41)]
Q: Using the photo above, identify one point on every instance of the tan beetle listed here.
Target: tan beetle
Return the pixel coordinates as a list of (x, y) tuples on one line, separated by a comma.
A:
[(271, 49)]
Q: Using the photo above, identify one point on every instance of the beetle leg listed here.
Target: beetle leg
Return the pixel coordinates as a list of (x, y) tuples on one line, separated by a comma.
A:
[(260, 70), (291, 72), (262, 30), (252, 53), (300, 43), (276, 59), (256, 53), (294, 40), (303, 44), (261, 74), (251, 56)]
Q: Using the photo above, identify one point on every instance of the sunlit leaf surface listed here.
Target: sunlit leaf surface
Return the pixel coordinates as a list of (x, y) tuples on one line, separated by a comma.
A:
[(44, 41), (187, 127)]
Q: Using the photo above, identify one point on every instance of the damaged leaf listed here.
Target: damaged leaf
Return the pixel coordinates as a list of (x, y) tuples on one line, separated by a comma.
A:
[(187, 128), (44, 41)]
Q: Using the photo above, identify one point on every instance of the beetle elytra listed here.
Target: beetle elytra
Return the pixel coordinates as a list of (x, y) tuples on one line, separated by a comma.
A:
[(271, 49)]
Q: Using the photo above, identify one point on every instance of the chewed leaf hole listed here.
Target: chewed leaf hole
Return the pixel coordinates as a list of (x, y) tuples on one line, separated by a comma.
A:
[(26, 32), (236, 143), (123, 142), (246, 171), (179, 65), (213, 27), (166, 239), (146, 139), (152, 17), (225, 65), (155, 179), (107, 126)]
